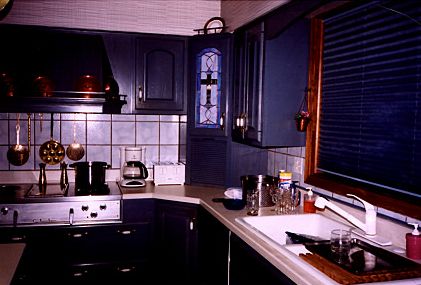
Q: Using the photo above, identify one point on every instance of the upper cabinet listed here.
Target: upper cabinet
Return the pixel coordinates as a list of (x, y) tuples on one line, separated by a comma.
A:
[(210, 67), (270, 79), (160, 75)]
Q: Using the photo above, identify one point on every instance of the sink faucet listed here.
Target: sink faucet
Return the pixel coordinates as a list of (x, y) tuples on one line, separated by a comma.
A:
[(369, 227)]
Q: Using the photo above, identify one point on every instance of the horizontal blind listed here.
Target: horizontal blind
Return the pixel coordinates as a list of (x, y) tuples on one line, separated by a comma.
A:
[(370, 124)]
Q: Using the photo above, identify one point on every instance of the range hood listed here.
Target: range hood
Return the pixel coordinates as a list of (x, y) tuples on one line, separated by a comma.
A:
[(63, 56)]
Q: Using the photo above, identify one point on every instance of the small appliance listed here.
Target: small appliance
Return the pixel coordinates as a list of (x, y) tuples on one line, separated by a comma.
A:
[(167, 173), (133, 171)]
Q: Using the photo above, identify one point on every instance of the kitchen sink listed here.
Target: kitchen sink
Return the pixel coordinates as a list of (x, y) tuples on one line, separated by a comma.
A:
[(273, 228)]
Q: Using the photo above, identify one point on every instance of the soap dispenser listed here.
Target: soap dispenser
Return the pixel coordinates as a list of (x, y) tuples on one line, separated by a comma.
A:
[(413, 243), (309, 200)]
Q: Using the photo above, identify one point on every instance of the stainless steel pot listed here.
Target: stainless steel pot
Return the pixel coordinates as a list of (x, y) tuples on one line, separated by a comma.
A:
[(262, 183), (90, 177)]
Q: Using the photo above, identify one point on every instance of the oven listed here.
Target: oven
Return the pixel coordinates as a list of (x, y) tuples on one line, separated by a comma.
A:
[(25, 205)]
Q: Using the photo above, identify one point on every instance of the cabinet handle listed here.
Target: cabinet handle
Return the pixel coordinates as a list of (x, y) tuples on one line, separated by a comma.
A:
[(140, 93), (192, 222), (125, 269), (222, 121), (126, 232), (78, 235), (18, 238)]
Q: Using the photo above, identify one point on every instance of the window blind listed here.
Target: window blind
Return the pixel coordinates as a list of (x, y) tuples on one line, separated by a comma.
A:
[(370, 124)]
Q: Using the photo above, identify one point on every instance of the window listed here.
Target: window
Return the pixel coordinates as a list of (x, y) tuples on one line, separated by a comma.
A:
[(365, 78)]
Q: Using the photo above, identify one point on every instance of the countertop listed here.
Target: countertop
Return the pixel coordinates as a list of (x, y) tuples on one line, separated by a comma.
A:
[(283, 259), (10, 255)]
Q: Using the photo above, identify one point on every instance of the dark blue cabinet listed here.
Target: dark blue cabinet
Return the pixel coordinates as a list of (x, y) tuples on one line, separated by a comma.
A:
[(160, 71), (270, 78), (249, 267), (176, 243)]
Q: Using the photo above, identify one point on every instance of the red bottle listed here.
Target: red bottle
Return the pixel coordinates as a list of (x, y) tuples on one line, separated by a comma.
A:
[(413, 243)]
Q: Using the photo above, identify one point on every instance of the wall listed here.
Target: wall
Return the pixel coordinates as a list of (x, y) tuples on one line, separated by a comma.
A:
[(179, 17), (150, 16), (238, 13), (101, 135)]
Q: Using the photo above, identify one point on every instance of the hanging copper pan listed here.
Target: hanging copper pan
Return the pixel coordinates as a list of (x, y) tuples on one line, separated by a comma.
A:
[(51, 152)]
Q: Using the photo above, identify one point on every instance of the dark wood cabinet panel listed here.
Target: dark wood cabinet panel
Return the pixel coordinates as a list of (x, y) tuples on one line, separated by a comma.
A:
[(176, 237), (270, 78), (213, 250), (249, 267), (160, 74)]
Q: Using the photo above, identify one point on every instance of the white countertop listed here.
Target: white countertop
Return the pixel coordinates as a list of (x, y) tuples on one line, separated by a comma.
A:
[(285, 260), (10, 255)]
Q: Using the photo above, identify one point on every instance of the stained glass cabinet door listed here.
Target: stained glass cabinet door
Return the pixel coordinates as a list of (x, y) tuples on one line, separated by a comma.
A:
[(209, 60)]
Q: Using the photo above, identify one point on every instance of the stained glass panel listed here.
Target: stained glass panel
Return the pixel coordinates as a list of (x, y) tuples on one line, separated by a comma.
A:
[(208, 88)]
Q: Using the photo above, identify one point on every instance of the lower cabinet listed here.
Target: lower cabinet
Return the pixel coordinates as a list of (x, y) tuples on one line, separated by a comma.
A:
[(213, 250), (159, 242), (176, 243), (249, 267)]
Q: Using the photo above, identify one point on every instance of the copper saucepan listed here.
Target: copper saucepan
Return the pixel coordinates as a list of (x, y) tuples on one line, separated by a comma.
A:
[(18, 154)]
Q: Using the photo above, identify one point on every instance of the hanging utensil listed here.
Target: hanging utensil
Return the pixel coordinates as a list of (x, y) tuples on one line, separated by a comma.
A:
[(41, 118), (75, 151), (51, 152), (18, 154), (29, 133)]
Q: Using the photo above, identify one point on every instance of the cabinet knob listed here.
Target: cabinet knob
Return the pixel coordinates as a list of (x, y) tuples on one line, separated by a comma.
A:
[(71, 216), (126, 232), (4, 210)]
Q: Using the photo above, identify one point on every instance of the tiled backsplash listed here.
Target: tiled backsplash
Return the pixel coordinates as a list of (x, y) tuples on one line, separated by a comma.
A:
[(101, 136)]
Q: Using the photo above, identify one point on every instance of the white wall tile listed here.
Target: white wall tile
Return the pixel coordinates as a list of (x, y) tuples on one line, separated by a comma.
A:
[(147, 133), (168, 133), (123, 133), (99, 132)]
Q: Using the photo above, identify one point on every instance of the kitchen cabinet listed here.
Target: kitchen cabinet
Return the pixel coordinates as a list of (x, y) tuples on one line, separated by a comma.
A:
[(213, 250), (270, 78), (176, 237), (93, 253), (160, 72), (249, 267)]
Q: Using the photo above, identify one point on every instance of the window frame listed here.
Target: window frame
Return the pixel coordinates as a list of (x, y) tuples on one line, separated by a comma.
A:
[(375, 195)]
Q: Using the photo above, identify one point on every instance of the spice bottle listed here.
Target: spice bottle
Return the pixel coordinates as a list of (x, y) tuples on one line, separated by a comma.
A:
[(309, 200), (413, 243)]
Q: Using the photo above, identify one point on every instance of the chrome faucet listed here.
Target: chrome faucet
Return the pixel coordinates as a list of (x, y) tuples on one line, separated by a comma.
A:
[(369, 227)]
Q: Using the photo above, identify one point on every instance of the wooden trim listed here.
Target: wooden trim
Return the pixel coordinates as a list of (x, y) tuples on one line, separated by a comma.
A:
[(314, 85), (379, 197)]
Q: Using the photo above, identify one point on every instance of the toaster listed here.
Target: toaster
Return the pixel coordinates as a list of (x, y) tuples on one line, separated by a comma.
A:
[(167, 173)]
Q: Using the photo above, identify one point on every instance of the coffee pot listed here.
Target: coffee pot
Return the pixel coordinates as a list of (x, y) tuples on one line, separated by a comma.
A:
[(133, 171)]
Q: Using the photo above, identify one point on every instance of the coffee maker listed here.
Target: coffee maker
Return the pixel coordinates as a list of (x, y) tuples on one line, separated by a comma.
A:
[(133, 171)]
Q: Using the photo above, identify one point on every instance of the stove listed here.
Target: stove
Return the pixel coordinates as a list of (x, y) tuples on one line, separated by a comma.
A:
[(25, 205)]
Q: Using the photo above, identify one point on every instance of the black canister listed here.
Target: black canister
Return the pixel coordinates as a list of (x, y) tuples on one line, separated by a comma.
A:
[(90, 177)]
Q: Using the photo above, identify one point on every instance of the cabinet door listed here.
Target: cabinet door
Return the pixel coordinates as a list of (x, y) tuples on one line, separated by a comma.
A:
[(160, 75), (176, 239), (248, 90), (209, 93), (249, 267), (213, 250)]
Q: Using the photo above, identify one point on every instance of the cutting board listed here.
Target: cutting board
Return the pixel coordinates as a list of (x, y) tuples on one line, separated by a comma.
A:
[(366, 263)]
